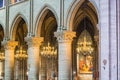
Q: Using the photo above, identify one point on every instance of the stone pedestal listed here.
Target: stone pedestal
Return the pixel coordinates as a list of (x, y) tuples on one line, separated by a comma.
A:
[(64, 53), (33, 57), (9, 59)]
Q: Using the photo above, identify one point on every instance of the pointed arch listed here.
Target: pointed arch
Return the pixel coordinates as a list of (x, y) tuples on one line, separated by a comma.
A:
[(40, 18), (74, 9), (15, 23)]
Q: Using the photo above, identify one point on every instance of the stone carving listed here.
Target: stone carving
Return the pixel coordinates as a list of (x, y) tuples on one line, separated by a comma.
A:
[(33, 41), (10, 44), (64, 36)]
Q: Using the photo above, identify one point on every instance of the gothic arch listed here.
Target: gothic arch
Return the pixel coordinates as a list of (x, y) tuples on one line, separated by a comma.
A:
[(73, 10), (82, 15), (15, 23), (41, 16)]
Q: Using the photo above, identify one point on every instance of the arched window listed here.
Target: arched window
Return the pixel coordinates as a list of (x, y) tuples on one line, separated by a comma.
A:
[(1, 3)]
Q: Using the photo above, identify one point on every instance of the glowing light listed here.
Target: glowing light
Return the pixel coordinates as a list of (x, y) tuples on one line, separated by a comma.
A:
[(21, 54)]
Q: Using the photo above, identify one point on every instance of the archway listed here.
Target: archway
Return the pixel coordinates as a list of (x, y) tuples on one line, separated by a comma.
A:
[(48, 60), (1, 52), (85, 22), (19, 33)]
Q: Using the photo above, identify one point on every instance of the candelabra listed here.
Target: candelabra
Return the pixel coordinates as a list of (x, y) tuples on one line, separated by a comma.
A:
[(21, 54), (85, 47), (49, 51)]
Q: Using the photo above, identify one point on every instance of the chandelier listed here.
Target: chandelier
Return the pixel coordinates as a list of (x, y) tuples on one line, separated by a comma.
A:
[(21, 54), (2, 57), (49, 51), (85, 47)]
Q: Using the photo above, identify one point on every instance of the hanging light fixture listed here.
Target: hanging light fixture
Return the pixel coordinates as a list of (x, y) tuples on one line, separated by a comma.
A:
[(85, 47), (49, 51), (21, 54)]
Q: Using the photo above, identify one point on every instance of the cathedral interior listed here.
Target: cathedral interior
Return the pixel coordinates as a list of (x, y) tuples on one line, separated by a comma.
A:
[(59, 40)]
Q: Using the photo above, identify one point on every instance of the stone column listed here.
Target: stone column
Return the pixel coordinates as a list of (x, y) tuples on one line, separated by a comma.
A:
[(33, 57), (64, 54), (9, 59)]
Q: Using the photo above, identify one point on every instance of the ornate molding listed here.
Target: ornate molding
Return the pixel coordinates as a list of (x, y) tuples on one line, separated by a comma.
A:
[(9, 44), (65, 36), (33, 41)]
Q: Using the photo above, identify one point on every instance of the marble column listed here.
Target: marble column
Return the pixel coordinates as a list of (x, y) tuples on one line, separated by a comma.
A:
[(65, 39), (9, 47), (33, 57)]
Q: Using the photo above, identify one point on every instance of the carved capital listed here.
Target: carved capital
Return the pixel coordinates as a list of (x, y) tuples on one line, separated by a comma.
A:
[(65, 36), (33, 41), (9, 44)]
